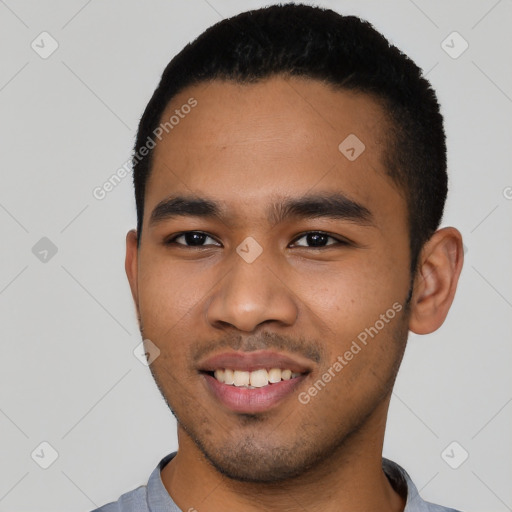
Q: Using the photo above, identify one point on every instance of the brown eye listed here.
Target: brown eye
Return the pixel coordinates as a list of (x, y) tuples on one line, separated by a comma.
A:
[(318, 239), (190, 239)]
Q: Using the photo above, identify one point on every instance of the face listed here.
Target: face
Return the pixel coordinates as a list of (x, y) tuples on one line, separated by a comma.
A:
[(268, 251)]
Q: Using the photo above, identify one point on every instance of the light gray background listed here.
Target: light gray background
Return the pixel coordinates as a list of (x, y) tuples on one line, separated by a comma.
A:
[(68, 375)]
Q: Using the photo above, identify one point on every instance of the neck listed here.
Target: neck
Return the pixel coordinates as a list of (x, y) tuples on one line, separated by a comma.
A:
[(351, 479)]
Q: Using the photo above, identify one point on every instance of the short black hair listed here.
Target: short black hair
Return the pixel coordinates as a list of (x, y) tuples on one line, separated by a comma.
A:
[(342, 51)]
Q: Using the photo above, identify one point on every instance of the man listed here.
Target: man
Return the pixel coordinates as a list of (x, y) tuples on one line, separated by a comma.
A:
[(290, 179)]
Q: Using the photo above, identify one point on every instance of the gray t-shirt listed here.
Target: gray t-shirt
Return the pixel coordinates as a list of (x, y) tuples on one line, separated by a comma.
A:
[(154, 497)]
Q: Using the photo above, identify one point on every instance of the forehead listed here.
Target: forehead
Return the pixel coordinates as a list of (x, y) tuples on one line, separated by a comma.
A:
[(247, 143)]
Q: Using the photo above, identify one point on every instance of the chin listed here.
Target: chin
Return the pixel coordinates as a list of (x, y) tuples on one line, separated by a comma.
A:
[(244, 469), (248, 461)]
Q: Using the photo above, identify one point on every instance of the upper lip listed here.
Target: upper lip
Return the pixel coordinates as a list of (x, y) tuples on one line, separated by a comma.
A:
[(250, 361)]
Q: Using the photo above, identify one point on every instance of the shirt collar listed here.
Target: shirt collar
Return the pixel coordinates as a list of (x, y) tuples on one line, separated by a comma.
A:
[(158, 497), (403, 485)]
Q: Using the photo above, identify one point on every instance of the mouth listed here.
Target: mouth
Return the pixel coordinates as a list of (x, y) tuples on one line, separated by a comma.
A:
[(253, 382)]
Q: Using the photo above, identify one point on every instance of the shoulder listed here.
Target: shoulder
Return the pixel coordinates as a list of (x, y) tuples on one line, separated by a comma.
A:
[(430, 507), (145, 497), (131, 501), (403, 484)]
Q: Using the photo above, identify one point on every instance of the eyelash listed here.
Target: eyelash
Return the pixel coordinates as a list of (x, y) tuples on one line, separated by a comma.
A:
[(339, 241)]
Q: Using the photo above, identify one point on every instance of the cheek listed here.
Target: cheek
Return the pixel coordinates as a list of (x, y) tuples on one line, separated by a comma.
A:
[(351, 296), (364, 339), (169, 295)]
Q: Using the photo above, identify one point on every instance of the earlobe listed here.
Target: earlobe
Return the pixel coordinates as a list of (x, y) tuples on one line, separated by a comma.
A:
[(130, 264), (436, 281)]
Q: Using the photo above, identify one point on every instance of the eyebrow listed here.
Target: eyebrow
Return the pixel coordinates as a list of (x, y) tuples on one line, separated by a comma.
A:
[(334, 206)]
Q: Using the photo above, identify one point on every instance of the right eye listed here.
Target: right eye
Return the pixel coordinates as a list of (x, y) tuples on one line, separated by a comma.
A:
[(189, 239)]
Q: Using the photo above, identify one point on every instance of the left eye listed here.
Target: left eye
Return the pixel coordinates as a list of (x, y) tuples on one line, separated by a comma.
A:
[(318, 239), (191, 239)]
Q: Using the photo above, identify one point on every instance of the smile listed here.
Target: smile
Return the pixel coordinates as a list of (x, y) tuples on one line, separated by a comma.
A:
[(255, 379)]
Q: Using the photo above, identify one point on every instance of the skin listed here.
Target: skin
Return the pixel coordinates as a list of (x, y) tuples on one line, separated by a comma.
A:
[(248, 146)]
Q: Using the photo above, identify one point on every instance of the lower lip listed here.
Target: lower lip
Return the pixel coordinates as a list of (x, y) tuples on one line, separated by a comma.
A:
[(255, 400)]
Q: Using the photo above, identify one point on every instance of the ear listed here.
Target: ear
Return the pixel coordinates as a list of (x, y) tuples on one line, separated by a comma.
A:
[(131, 265), (440, 265)]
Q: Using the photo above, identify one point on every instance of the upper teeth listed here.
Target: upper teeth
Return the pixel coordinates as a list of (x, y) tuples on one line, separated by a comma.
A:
[(255, 379)]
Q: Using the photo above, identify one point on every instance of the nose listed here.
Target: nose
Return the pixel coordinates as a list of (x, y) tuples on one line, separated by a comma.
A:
[(251, 294)]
